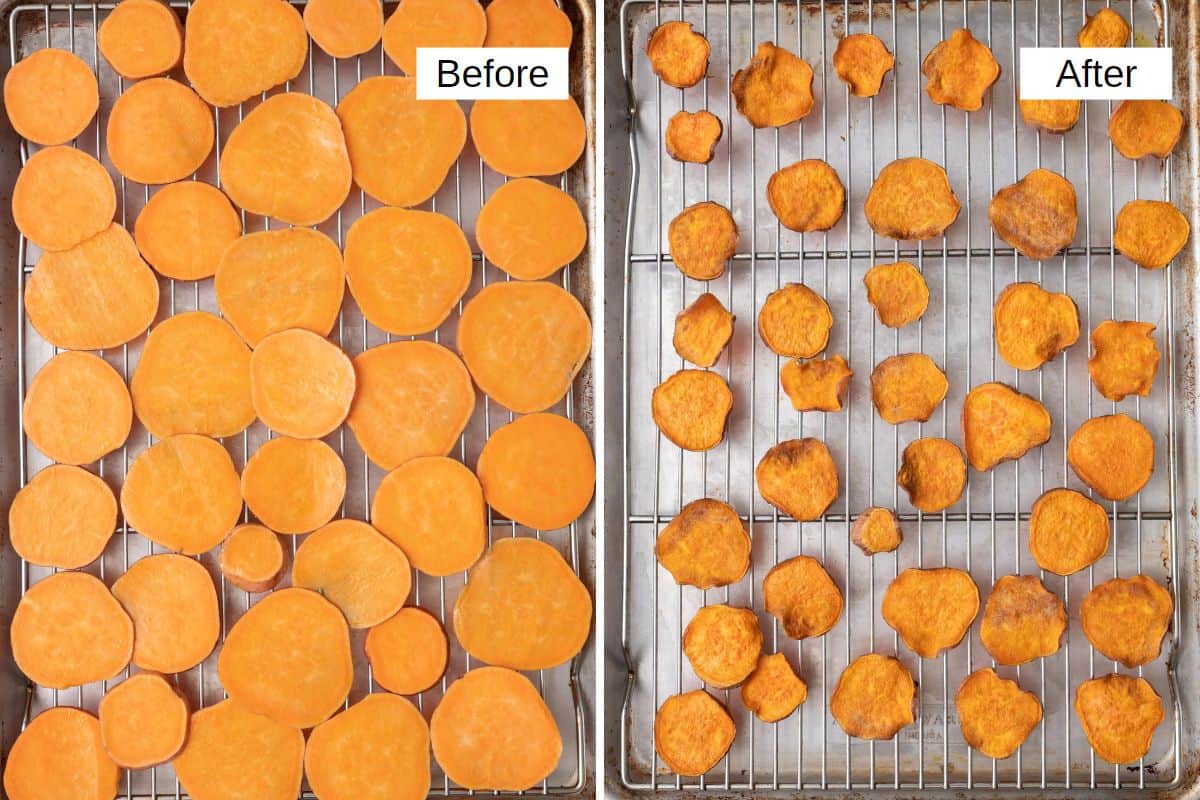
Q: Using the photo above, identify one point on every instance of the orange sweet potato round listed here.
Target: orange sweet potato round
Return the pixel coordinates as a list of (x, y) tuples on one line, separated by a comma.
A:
[(801, 595), (692, 136), (723, 644), (141, 38), (60, 756), (703, 330), (807, 196), (1000, 423), (1140, 128), (995, 713), (691, 408), (876, 530), (933, 472), (525, 138), (1036, 215), (236, 49), (798, 477), (1032, 325), (50, 96), (356, 568), (907, 388), (252, 558), (77, 409), (1052, 116), (143, 721), (432, 23), (692, 732), (1119, 714), (1127, 618), (344, 28), (1105, 28), (862, 60), (702, 239), (294, 485), (185, 227), (301, 384), (1124, 359), (816, 385), (1067, 531), (530, 229), (960, 70), (911, 199), (874, 697), (62, 518), (173, 604), (898, 293), (794, 321), (527, 23), (159, 131), (931, 609), (1113, 454), (62, 196), (378, 746), (408, 652), (678, 54), (774, 690), (1022, 620), (705, 545), (1150, 233), (774, 89)]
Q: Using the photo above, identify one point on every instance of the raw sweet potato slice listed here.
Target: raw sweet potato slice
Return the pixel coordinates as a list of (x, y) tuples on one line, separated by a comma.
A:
[(141, 38), (898, 292), (525, 138), (51, 96), (692, 732), (907, 388), (62, 518), (411, 399), (173, 604), (1036, 215), (274, 280), (407, 269), (59, 756), (193, 377), (996, 715), (523, 607), (1067, 531), (77, 409), (862, 60), (1022, 620), (1032, 326), (236, 49), (433, 509), (292, 637), (344, 28), (492, 730), (703, 330), (801, 595), (356, 568), (95, 296), (143, 721), (816, 385), (692, 136), (185, 227), (69, 630), (774, 89), (678, 54), (1119, 714), (705, 545), (702, 239), (252, 558), (794, 321), (691, 408), (874, 697), (1127, 618), (408, 651), (1052, 116), (1105, 28), (933, 472), (288, 160), (530, 229), (301, 384), (527, 23), (799, 477), (931, 609), (876, 530), (774, 690), (524, 342), (1150, 233), (294, 485), (911, 199), (159, 131), (1000, 424), (231, 752), (1113, 454), (378, 746), (62, 196), (432, 23), (723, 644), (1140, 128), (1124, 359), (807, 196), (960, 70)]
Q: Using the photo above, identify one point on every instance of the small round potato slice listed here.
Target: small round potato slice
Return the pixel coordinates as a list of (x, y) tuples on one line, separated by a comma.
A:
[(876, 530), (1150, 233), (1032, 326), (1000, 424), (795, 321), (911, 199), (692, 732), (933, 472), (1127, 618), (862, 60), (874, 697), (931, 609), (1052, 116), (1022, 620), (692, 136), (1105, 28), (705, 545), (702, 240), (807, 196), (960, 70), (996, 715), (898, 292), (1140, 128), (774, 89), (703, 330), (1119, 714), (691, 408), (907, 388), (1113, 454), (817, 385), (722, 644), (678, 55), (801, 595), (1067, 531), (1124, 359), (799, 477), (1036, 215), (773, 691)]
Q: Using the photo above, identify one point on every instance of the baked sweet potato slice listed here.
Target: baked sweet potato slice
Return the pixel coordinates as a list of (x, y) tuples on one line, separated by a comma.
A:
[(1150, 233), (523, 607), (692, 136), (1036, 215), (1119, 714), (143, 721), (911, 198), (1001, 424), (1052, 116), (51, 96), (159, 131), (907, 388), (959, 71), (705, 545), (816, 385), (185, 227), (432, 23), (798, 477), (1113, 454), (996, 715), (898, 293), (294, 485), (62, 196), (1105, 28), (526, 138), (527, 23), (408, 651), (931, 609), (795, 321), (69, 630), (252, 558), (723, 644), (236, 49), (862, 61), (1124, 359), (1140, 128), (1127, 618), (356, 568), (379, 745), (301, 384), (807, 196), (801, 595), (77, 409), (58, 756), (1032, 326), (678, 54), (774, 89), (874, 697), (173, 604), (62, 518), (344, 28), (530, 229), (1067, 531), (692, 732), (691, 408), (141, 38), (774, 690), (934, 473), (876, 530), (702, 239), (1022, 620), (703, 330)]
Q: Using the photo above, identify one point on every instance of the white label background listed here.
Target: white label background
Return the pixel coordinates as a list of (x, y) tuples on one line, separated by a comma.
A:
[(554, 59), (1041, 67)]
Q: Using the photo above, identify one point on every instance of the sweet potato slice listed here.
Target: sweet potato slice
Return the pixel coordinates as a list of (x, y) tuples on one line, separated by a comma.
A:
[(236, 49), (69, 630), (702, 239), (703, 330), (959, 71), (344, 28), (1105, 28), (274, 280), (193, 377), (705, 545), (996, 715), (862, 60), (801, 595), (183, 494), (723, 644), (173, 604), (59, 756), (143, 721), (1036, 215), (931, 609), (252, 558), (524, 342), (934, 473), (492, 730), (62, 196), (799, 477), (433, 509), (233, 752), (408, 651), (1127, 618), (817, 385), (292, 637), (185, 227), (1119, 714), (1140, 128), (525, 138), (692, 732), (692, 136), (62, 518), (141, 38), (1001, 424), (1033, 326), (874, 697), (794, 321), (77, 409), (523, 607), (1022, 620), (95, 296), (432, 23), (898, 293), (301, 384), (807, 196), (774, 89), (159, 131), (1113, 454), (907, 388), (1067, 531), (530, 229), (678, 54), (356, 568), (1124, 359), (51, 96), (691, 408), (1150, 233), (911, 198), (407, 269), (774, 690), (876, 530), (1052, 116), (411, 399), (294, 485), (378, 746), (527, 23)]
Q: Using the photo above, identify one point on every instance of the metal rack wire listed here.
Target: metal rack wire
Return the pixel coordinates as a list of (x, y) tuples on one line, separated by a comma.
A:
[(983, 533)]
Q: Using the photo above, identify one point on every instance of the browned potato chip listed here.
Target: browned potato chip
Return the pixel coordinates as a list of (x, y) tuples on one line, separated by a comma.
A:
[(678, 55), (931, 609), (876, 530), (960, 70), (933, 472), (999, 424), (693, 136), (898, 292), (723, 644), (1124, 359), (1113, 454), (692, 732), (705, 545), (1127, 618), (911, 199), (816, 385), (801, 595), (874, 697), (1150, 233), (1052, 116), (907, 388), (774, 89), (702, 240), (1140, 128), (1036, 215), (795, 321), (862, 60), (1067, 531), (807, 196), (798, 477), (1105, 28), (702, 330), (691, 408), (1119, 715), (773, 691), (1032, 325), (1022, 620), (996, 715)]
